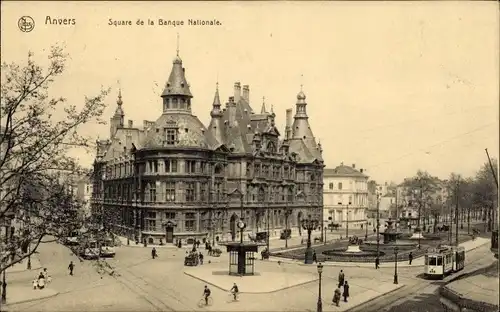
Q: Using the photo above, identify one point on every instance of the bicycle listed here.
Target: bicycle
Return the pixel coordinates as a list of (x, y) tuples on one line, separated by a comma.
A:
[(203, 303), (232, 297)]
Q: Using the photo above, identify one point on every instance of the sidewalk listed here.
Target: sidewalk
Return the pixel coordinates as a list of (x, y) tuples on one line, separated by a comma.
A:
[(23, 265), (479, 291), (21, 294), (468, 245)]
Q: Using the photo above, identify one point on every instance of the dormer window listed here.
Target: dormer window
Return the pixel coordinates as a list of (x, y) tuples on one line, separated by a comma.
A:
[(171, 136)]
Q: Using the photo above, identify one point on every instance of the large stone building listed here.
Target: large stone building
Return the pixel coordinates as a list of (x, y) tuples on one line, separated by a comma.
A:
[(176, 179), (345, 196)]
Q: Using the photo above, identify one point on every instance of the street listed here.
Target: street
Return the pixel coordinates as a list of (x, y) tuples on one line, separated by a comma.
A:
[(144, 284)]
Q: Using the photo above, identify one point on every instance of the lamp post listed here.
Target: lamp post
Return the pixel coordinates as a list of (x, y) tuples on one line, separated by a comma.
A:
[(395, 265), (288, 212), (347, 219), (319, 306), (378, 226), (241, 224), (366, 228), (309, 224)]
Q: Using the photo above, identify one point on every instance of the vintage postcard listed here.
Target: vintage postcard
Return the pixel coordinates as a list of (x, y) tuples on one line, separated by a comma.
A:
[(249, 156)]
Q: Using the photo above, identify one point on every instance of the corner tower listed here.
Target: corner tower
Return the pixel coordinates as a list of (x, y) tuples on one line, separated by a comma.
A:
[(176, 94)]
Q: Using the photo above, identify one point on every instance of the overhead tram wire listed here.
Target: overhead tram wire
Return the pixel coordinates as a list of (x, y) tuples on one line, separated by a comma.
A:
[(431, 146)]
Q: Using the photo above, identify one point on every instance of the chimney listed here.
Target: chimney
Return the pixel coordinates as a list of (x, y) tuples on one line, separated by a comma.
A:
[(353, 166), (361, 170), (231, 108), (288, 128), (130, 123), (246, 93), (237, 92)]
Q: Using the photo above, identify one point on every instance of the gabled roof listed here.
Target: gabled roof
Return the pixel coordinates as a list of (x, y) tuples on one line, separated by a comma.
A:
[(343, 171)]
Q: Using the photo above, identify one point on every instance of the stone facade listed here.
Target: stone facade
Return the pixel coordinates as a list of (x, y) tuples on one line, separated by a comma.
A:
[(175, 179)]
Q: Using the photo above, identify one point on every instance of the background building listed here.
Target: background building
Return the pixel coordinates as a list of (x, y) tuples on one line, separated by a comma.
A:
[(175, 179), (345, 196)]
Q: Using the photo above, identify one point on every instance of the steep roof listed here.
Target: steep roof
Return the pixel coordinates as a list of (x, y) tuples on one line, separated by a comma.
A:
[(177, 83), (191, 132), (343, 171)]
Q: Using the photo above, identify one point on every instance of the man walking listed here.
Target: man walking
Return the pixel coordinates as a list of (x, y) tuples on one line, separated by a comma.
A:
[(153, 253), (410, 257), (346, 291), (315, 258), (377, 263), (71, 266), (341, 278)]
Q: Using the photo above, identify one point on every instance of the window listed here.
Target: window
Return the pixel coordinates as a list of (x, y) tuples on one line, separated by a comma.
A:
[(257, 170), (218, 169), (155, 166), (432, 261), (171, 136), (203, 167), (340, 186), (276, 172), (265, 170), (286, 173), (203, 192), (330, 186), (190, 166), (190, 192), (290, 194), (170, 215), (218, 190), (271, 148), (170, 192), (249, 170), (439, 260), (150, 221), (152, 192), (190, 222), (171, 165), (261, 196)]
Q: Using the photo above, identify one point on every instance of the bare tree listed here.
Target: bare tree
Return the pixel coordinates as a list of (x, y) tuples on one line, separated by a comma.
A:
[(36, 133), (485, 192), (421, 187)]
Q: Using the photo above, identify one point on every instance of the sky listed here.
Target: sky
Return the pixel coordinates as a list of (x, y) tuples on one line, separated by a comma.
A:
[(392, 87)]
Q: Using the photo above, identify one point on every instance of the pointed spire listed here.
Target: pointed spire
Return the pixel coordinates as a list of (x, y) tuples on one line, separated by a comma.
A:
[(263, 109), (178, 39), (119, 101), (216, 97), (272, 109)]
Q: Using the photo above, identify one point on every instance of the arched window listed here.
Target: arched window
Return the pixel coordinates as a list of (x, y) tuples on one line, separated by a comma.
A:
[(262, 196)]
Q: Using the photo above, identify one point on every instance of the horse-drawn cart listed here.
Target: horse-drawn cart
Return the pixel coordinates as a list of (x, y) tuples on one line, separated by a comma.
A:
[(192, 259)]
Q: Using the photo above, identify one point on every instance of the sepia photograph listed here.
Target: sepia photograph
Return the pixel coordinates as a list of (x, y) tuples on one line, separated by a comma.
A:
[(249, 156)]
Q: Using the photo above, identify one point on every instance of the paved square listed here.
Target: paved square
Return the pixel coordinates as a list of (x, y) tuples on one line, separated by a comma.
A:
[(261, 282)]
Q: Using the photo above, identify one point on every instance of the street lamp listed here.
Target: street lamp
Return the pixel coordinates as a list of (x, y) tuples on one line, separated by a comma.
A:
[(288, 212), (326, 227), (378, 225), (347, 219), (309, 224), (396, 265), (319, 306)]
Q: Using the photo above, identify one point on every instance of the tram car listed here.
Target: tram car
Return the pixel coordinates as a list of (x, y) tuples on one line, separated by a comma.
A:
[(444, 260)]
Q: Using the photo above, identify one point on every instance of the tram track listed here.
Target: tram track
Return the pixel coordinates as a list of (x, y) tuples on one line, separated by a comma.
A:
[(148, 290), (385, 302)]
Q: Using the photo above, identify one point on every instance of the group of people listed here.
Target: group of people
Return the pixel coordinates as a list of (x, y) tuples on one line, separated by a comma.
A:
[(42, 279), (338, 293)]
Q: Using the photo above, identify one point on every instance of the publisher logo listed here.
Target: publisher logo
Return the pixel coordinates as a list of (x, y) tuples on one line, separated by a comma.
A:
[(26, 24)]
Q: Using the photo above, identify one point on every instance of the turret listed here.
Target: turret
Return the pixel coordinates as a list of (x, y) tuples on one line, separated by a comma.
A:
[(216, 126), (117, 120), (176, 94)]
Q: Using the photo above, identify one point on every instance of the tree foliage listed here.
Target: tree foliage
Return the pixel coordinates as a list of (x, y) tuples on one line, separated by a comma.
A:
[(37, 130)]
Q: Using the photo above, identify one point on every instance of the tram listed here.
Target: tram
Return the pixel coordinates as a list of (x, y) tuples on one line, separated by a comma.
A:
[(444, 260)]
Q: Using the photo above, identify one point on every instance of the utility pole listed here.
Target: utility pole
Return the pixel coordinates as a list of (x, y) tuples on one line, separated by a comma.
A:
[(456, 211), (492, 214)]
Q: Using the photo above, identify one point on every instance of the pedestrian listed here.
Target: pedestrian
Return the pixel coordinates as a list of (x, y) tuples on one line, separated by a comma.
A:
[(35, 283), (315, 258), (345, 294), (71, 266), (377, 262), (153, 253), (410, 257), (336, 296), (341, 278), (201, 258), (209, 249)]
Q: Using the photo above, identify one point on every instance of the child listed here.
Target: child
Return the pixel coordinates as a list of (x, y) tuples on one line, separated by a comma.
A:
[(35, 283)]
